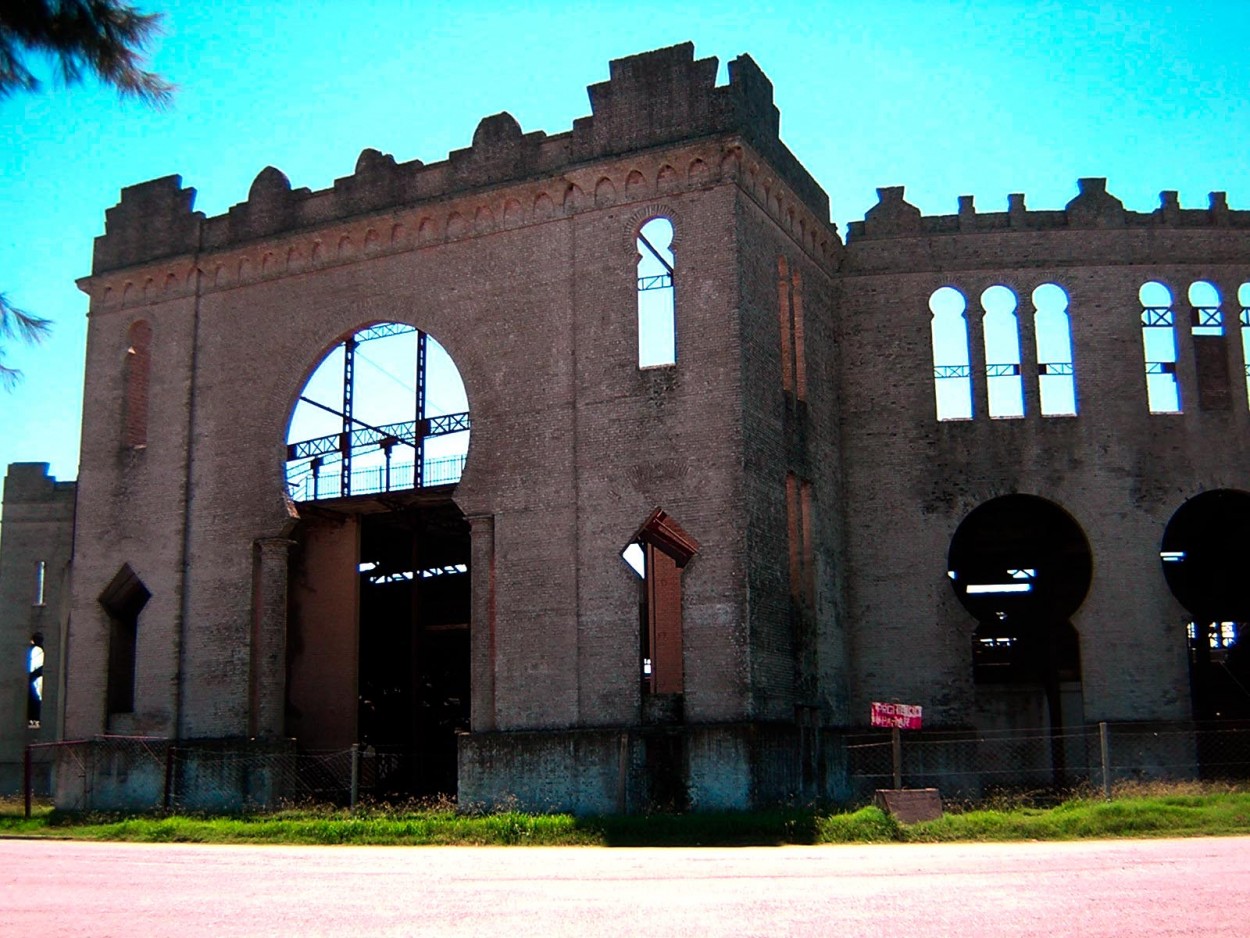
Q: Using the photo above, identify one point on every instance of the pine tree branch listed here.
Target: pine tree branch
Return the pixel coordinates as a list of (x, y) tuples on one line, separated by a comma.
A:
[(18, 324), (106, 38)]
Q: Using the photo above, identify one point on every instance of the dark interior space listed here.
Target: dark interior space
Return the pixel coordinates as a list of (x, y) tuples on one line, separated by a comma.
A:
[(1022, 566), (414, 646), (1206, 554)]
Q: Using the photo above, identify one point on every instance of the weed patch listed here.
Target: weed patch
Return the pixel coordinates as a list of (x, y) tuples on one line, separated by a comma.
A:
[(1167, 812)]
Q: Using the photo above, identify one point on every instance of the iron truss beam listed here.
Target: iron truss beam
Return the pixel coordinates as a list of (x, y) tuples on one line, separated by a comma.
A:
[(383, 330), (409, 434)]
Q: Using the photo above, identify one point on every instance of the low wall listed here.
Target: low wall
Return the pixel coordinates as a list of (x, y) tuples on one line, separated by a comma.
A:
[(135, 774), (624, 770)]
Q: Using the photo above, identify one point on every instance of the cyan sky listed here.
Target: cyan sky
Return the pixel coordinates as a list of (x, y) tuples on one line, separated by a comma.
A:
[(947, 98)]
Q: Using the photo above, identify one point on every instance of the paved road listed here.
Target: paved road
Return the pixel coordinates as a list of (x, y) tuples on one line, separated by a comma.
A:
[(1094, 889)]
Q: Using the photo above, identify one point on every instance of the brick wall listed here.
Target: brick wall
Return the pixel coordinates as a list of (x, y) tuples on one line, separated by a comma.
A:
[(1117, 469), (37, 529)]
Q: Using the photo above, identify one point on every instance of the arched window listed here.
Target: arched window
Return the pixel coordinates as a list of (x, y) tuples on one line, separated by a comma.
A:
[(1243, 299), (952, 373), (1004, 385), (395, 394), (41, 583), (1207, 318), (138, 367), (34, 682), (1210, 347), (657, 315), (1056, 377), (1158, 329)]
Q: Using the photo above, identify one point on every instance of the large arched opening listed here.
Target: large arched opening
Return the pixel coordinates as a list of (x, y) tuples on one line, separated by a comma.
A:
[(378, 635), (1021, 565), (1206, 554)]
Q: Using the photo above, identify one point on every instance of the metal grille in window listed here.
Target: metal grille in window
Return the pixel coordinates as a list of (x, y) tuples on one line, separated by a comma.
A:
[(1157, 316), (1208, 316), (1160, 368), (658, 282), (1002, 371), (952, 371)]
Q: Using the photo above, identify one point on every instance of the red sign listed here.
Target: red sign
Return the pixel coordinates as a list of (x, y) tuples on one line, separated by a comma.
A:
[(904, 716)]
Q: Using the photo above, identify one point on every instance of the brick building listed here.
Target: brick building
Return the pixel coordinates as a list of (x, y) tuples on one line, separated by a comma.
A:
[(38, 535), (724, 470)]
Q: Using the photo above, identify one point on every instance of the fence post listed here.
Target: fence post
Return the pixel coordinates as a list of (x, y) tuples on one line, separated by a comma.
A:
[(27, 780), (355, 774), (1106, 760), (896, 748), (169, 777)]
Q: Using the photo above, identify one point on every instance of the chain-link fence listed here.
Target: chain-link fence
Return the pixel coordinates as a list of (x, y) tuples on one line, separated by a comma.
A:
[(973, 764), (127, 773), (113, 773)]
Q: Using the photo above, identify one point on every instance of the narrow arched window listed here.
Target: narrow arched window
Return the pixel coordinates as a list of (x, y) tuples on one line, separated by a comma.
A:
[(1210, 347), (34, 681), (1158, 329), (1243, 300), (1206, 317), (1056, 377), (952, 373), (657, 313), (1004, 386), (138, 368)]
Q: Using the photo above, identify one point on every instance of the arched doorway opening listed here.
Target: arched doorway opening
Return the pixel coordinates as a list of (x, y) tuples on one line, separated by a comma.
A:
[(1021, 565), (378, 634), (1206, 556)]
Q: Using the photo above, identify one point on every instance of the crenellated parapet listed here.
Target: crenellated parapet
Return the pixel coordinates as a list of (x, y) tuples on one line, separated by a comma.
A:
[(1093, 208), (154, 219), (651, 100)]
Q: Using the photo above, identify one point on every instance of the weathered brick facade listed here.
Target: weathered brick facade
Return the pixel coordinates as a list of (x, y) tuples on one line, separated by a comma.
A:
[(794, 441), (38, 535)]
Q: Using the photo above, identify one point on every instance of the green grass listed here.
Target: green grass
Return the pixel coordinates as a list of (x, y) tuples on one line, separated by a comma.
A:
[(1152, 811), (381, 825)]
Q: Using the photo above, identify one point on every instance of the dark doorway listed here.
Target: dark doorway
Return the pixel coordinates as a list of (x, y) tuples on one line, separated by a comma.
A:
[(414, 646), (1206, 555), (1022, 566)]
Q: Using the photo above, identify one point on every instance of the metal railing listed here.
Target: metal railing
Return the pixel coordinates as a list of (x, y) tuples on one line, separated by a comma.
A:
[(306, 485)]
